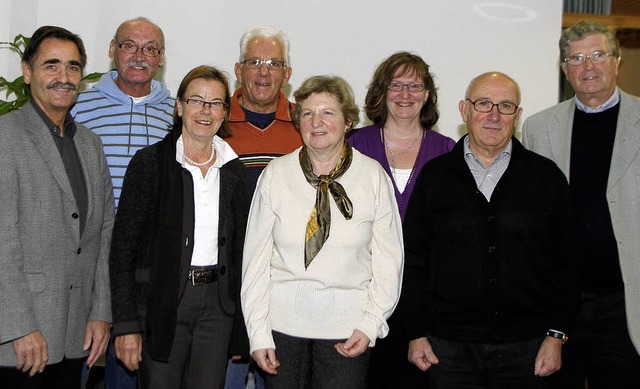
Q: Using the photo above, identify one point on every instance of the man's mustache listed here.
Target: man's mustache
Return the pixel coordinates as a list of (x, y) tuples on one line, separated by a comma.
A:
[(62, 85), (138, 64)]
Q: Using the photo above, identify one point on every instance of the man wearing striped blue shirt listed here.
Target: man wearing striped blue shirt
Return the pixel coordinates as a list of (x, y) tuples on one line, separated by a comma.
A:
[(129, 110), (127, 107)]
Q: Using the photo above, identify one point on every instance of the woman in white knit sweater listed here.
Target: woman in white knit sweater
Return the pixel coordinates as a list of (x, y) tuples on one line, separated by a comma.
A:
[(323, 254)]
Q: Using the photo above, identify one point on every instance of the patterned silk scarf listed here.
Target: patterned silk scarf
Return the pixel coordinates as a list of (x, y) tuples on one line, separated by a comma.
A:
[(320, 221)]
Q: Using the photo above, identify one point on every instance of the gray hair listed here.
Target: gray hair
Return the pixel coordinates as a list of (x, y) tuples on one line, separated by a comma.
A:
[(268, 32), (583, 29)]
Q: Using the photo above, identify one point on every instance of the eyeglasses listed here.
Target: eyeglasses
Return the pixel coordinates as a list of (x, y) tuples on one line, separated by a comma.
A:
[(213, 105), (485, 106), (272, 64), (579, 59), (131, 48), (398, 87)]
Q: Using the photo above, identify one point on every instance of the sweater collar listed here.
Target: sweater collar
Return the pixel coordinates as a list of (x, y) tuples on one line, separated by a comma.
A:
[(237, 114), (107, 86)]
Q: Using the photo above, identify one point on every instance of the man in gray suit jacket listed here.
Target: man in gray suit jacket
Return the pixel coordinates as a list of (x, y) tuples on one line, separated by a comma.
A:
[(595, 140), (57, 212)]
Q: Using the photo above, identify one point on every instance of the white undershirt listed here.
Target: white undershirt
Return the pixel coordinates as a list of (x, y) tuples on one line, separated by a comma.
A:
[(206, 199), (401, 177), (136, 100)]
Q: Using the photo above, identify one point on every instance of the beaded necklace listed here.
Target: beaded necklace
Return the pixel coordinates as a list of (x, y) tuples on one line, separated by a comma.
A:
[(205, 163)]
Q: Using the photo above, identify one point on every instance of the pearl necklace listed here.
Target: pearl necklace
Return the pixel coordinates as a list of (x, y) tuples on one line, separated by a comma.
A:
[(205, 163)]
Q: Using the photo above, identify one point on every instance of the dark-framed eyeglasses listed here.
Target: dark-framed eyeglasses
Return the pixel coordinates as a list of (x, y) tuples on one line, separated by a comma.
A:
[(272, 64), (485, 106), (215, 105), (398, 87), (131, 48), (595, 57)]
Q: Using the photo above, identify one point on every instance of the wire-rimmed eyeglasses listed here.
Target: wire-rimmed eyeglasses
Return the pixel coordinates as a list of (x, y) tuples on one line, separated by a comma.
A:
[(595, 57), (131, 48), (215, 105), (272, 64), (398, 87)]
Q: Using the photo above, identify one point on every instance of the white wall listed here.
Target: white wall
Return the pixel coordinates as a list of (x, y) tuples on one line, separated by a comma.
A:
[(459, 39)]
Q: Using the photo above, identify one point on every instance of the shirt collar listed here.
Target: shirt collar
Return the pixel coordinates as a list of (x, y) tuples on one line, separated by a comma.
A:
[(224, 152), (613, 100), (467, 149), (69, 124)]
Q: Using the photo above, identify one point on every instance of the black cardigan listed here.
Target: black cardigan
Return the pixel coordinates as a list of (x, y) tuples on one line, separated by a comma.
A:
[(152, 245), (498, 271)]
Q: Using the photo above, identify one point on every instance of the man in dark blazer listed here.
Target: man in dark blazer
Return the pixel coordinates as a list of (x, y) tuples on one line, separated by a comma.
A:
[(595, 140), (57, 209)]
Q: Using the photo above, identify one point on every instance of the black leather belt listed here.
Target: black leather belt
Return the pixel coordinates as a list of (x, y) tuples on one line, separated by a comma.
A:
[(203, 275)]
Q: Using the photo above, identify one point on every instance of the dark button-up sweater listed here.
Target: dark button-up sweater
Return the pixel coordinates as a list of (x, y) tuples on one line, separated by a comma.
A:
[(153, 241), (489, 271)]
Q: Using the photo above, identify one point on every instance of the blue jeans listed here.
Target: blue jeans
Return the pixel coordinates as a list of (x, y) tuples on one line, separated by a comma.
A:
[(116, 375), (237, 373)]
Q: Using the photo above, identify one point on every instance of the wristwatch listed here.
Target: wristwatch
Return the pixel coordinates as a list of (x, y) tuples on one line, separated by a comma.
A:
[(558, 335)]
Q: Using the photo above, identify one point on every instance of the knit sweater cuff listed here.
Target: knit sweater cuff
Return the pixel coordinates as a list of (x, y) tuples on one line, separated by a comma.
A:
[(373, 328), (262, 341)]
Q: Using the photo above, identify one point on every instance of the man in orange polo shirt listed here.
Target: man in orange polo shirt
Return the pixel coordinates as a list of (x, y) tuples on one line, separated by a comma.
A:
[(262, 129)]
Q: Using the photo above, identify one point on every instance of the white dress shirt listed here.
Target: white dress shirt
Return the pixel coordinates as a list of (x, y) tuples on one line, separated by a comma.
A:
[(206, 199)]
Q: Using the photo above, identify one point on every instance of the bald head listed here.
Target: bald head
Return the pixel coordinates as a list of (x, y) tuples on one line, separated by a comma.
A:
[(140, 23), (494, 77)]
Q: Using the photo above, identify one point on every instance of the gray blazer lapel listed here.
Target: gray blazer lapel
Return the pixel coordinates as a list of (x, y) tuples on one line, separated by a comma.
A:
[(42, 138), (89, 160), (627, 142), (560, 136)]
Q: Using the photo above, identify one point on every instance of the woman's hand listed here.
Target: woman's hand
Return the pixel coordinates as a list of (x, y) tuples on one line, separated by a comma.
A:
[(354, 346), (266, 359)]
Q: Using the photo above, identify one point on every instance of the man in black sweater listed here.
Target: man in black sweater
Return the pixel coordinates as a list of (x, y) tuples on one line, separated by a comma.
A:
[(490, 282)]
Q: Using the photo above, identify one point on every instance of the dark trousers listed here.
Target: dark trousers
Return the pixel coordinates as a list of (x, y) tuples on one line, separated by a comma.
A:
[(62, 375), (485, 365), (599, 349), (198, 356), (315, 363), (389, 367)]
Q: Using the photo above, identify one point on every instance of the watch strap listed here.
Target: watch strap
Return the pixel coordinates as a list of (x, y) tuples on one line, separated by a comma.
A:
[(558, 335)]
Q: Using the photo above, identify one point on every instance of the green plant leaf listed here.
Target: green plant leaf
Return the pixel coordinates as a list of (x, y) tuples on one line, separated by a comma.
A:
[(5, 106), (92, 77)]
